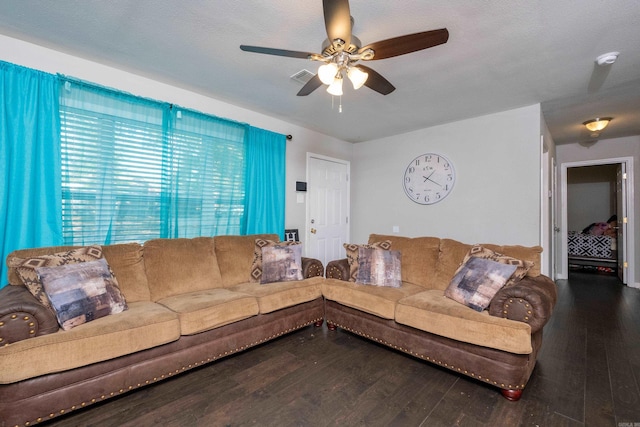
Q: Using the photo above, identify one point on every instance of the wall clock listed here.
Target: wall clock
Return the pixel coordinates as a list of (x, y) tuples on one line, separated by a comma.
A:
[(429, 178)]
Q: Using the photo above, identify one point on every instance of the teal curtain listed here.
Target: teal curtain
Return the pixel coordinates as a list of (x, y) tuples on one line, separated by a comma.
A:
[(265, 182), (30, 196), (113, 148), (205, 175)]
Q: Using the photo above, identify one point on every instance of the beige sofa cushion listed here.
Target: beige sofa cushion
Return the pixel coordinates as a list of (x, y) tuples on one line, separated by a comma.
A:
[(178, 266), (419, 257), (452, 254), (142, 326), (431, 311), (211, 308), (377, 300), (277, 295), (235, 256), (128, 266)]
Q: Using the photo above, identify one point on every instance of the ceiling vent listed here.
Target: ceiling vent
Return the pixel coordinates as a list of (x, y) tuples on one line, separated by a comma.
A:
[(302, 76)]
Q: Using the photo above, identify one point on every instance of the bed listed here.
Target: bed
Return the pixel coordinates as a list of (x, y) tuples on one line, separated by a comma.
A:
[(592, 252)]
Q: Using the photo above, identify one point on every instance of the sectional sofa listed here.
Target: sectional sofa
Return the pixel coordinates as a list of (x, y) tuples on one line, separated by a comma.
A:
[(193, 301)]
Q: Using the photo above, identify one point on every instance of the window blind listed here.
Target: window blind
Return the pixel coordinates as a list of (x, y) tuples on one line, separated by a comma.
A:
[(135, 169)]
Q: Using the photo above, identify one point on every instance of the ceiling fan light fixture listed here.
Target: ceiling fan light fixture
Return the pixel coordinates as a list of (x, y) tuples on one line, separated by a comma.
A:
[(335, 88), (327, 73), (597, 124), (357, 77)]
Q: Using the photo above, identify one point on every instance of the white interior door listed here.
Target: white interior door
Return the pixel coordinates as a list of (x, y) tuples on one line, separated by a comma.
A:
[(621, 199), (328, 208)]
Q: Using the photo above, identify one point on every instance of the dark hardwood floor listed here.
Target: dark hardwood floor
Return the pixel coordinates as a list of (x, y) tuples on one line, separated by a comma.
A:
[(588, 373)]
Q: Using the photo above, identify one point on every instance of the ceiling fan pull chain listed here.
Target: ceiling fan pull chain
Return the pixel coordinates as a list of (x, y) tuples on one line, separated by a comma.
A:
[(340, 106)]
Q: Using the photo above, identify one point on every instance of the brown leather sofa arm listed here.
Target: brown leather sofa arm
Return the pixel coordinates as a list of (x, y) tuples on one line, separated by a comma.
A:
[(531, 300), (22, 316), (338, 269), (312, 267)]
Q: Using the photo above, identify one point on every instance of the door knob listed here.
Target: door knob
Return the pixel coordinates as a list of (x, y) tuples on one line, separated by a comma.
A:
[(313, 231)]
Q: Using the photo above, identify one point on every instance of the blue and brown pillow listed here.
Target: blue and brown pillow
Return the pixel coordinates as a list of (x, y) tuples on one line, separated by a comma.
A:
[(81, 292), (352, 251), (257, 263), (379, 267), (477, 281), (26, 267)]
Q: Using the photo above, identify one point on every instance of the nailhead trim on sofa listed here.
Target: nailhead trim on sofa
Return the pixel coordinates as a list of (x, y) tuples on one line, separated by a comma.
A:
[(171, 373)]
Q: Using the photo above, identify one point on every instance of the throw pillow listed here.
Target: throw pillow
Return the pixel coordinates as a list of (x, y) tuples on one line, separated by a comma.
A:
[(352, 255), (281, 263), (256, 264), (477, 281), (26, 268), (82, 292), (522, 267), (379, 267)]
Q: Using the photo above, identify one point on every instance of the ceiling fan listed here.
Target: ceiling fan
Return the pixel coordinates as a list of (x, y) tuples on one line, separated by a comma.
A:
[(342, 50)]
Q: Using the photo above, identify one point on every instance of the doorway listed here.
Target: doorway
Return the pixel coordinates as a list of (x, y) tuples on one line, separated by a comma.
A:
[(328, 208), (600, 189)]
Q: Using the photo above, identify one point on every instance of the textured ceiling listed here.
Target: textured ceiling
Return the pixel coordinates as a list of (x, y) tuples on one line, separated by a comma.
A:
[(500, 55)]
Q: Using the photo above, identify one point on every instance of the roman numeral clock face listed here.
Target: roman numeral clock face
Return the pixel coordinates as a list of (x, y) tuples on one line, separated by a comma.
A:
[(429, 178)]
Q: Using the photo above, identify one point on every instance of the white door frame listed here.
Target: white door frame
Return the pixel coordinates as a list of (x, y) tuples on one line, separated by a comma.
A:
[(630, 240), (307, 226)]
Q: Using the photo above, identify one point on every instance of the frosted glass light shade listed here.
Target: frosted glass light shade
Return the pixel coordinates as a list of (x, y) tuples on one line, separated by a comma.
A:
[(335, 88), (596, 125), (327, 73), (357, 77)]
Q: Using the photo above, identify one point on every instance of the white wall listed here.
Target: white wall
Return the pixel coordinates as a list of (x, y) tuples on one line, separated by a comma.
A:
[(609, 149), (51, 61), (590, 195), (496, 198)]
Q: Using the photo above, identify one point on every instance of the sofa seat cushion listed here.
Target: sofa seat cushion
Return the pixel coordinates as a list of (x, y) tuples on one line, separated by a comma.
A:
[(377, 300), (207, 309), (144, 325), (432, 312), (277, 295)]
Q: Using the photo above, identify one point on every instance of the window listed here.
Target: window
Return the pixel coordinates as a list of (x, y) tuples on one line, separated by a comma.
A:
[(135, 169)]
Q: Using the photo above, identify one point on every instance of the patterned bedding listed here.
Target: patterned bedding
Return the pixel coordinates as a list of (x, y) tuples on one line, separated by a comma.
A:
[(589, 245)]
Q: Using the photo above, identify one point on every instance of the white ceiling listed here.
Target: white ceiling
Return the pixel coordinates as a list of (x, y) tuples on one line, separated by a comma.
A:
[(501, 54)]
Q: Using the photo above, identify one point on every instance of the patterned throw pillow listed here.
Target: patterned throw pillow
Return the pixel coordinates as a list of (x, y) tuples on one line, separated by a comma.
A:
[(522, 267), (281, 263), (256, 265), (379, 267), (352, 255), (477, 282), (26, 268), (82, 292)]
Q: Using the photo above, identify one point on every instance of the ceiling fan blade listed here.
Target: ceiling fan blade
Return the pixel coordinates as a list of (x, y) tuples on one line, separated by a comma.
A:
[(337, 20), (376, 82), (277, 52), (407, 44), (311, 85)]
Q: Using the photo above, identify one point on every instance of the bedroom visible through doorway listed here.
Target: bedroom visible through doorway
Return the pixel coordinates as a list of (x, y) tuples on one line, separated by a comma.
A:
[(596, 204)]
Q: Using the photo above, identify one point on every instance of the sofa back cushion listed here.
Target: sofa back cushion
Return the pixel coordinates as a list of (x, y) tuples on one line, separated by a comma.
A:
[(419, 257), (128, 266), (235, 256), (452, 254), (178, 266), (124, 259)]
